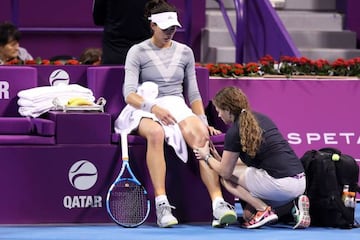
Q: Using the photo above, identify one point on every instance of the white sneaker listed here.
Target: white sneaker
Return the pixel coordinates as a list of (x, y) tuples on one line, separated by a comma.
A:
[(224, 214), (164, 215), (301, 213)]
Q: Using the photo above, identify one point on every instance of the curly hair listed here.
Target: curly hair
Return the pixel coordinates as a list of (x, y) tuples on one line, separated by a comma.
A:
[(232, 99)]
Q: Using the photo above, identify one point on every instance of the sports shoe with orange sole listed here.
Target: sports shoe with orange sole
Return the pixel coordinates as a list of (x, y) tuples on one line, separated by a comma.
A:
[(261, 218)]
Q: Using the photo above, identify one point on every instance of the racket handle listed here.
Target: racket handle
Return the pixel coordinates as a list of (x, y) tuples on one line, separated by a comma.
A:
[(124, 146)]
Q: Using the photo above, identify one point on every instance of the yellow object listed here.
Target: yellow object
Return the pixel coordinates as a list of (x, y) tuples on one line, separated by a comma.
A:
[(79, 102), (335, 157)]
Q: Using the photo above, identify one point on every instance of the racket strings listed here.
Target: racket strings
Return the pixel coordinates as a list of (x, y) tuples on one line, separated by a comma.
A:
[(128, 203)]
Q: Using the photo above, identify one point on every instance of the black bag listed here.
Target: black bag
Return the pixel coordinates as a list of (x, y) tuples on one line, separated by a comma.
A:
[(327, 171)]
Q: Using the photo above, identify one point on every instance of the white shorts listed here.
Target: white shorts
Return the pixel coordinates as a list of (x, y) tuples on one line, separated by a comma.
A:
[(273, 191)]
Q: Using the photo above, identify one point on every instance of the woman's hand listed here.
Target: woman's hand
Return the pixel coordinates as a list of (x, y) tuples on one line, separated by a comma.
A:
[(213, 131), (202, 152), (163, 115), (214, 152)]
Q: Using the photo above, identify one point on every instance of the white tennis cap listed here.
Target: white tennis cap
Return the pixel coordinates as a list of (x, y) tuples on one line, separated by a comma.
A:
[(165, 19)]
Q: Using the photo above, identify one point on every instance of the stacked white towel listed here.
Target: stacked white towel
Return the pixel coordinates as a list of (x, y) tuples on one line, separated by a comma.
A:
[(35, 101)]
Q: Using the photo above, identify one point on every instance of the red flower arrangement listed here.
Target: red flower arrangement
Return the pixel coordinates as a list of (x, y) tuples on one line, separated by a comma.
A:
[(267, 65), (39, 61), (289, 66), (321, 67), (342, 67), (224, 70), (252, 69)]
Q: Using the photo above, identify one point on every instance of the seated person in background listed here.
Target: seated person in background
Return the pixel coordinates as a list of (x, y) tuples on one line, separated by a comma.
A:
[(257, 165), (9, 44), (91, 56), (171, 66)]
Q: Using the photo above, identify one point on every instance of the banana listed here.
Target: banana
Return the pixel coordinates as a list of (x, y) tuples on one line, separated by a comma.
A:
[(79, 102)]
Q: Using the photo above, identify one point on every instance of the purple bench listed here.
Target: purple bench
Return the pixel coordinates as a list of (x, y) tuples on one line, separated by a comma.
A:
[(15, 129), (50, 159), (81, 127)]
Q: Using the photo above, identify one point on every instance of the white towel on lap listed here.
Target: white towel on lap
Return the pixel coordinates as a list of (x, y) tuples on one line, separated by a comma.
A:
[(130, 117)]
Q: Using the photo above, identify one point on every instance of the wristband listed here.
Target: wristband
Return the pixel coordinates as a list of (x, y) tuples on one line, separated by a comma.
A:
[(207, 157), (203, 118), (147, 105)]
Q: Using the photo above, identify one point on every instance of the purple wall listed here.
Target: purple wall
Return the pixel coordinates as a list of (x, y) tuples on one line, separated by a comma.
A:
[(352, 19), (5, 10), (66, 27), (305, 112)]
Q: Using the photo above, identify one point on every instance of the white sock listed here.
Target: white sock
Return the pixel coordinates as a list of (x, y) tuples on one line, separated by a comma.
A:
[(160, 198), (216, 200)]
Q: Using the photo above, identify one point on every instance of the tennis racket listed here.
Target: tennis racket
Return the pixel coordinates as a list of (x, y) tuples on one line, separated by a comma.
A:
[(127, 200)]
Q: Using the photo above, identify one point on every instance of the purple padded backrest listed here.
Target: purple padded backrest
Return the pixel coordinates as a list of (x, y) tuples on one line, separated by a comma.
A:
[(12, 80), (77, 73), (107, 82), (202, 75)]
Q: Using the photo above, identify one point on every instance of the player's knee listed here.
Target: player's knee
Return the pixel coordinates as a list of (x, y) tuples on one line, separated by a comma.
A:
[(200, 139), (156, 134)]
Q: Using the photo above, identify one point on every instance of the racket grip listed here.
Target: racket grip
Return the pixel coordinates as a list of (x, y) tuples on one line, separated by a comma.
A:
[(124, 146)]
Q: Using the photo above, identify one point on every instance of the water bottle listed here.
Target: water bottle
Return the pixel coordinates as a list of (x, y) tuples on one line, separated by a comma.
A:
[(351, 200), (345, 191), (348, 198), (345, 195)]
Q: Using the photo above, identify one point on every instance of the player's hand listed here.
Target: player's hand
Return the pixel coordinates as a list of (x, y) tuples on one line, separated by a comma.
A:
[(163, 115)]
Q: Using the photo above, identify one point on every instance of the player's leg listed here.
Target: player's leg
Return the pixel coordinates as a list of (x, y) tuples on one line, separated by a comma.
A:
[(196, 134), (155, 160)]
